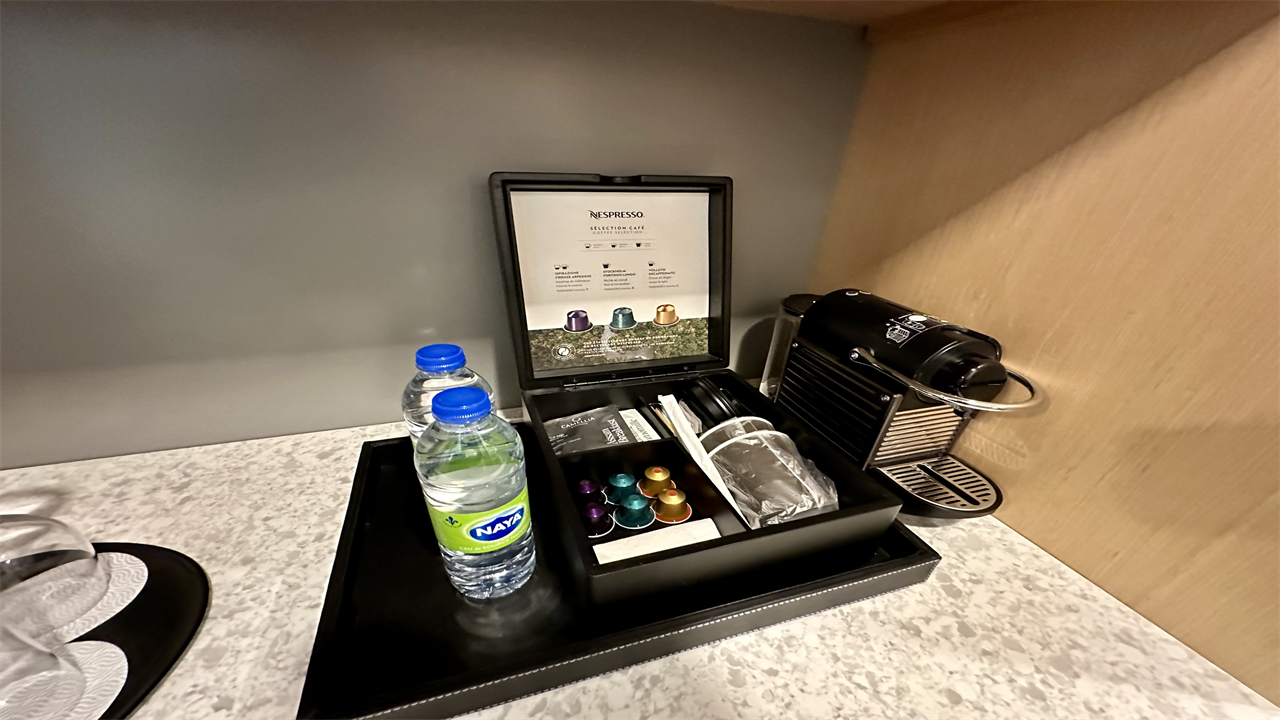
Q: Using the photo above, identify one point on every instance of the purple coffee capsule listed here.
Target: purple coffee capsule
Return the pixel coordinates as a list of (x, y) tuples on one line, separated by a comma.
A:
[(576, 321), (590, 490), (597, 519)]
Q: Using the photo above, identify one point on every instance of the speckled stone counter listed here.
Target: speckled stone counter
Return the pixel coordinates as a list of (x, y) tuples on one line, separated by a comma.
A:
[(1002, 630)]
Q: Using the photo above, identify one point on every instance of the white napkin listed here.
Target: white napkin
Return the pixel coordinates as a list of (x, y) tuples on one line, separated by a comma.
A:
[(689, 439)]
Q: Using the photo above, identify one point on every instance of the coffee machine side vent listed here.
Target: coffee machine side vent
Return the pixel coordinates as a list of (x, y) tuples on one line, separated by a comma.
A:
[(849, 410)]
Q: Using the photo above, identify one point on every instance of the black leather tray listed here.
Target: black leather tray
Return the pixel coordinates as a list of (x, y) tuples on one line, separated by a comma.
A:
[(395, 639)]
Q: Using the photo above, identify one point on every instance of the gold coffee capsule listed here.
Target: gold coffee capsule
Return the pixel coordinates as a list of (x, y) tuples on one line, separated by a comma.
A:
[(666, 315), (656, 479), (671, 507)]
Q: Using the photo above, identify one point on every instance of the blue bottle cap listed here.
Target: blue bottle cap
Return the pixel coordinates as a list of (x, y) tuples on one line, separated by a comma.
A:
[(460, 405), (440, 358)]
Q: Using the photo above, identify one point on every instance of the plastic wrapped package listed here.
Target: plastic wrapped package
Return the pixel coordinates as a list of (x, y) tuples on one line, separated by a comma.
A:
[(732, 428), (769, 479)]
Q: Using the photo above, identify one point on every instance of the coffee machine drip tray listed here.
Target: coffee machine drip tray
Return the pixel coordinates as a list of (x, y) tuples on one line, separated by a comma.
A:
[(948, 487)]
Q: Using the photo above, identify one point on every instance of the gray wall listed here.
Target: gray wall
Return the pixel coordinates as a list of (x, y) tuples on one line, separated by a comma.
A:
[(231, 220)]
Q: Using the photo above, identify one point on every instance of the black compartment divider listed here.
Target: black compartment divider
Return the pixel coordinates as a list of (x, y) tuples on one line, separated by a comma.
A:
[(656, 422)]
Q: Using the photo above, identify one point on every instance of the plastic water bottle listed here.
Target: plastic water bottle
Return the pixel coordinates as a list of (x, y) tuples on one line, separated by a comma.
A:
[(440, 367), (471, 466)]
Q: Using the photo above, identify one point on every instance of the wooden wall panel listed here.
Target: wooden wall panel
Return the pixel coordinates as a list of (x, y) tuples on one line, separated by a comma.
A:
[(947, 117), (1127, 255)]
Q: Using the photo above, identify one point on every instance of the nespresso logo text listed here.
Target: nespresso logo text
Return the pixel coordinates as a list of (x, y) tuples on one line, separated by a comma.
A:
[(596, 215)]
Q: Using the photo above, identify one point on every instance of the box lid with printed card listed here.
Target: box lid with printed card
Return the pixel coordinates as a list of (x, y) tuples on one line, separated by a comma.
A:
[(614, 277)]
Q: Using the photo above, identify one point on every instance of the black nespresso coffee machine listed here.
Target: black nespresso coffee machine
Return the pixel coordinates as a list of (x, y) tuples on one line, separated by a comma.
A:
[(893, 388)]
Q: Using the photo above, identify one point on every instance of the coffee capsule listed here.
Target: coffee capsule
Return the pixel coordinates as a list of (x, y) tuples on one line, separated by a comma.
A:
[(597, 519), (671, 507), (656, 479), (623, 319), (576, 321), (621, 486), (590, 490), (634, 513), (666, 315)]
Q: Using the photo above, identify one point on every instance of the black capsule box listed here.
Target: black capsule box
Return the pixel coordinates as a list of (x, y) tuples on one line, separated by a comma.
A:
[(866, 510)]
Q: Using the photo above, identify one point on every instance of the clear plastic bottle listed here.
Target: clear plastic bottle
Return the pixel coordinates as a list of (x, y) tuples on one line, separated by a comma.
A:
[(440, 367), (470, 463)]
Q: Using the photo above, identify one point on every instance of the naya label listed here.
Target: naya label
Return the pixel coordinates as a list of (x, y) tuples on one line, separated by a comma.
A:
[(483, 532)]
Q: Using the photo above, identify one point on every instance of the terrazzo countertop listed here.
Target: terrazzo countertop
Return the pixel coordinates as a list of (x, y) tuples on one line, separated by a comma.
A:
[(1002, 630)]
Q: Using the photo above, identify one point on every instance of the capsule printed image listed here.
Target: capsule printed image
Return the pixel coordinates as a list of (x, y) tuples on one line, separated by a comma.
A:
[(623, 319), (666, 315), (576, 321)]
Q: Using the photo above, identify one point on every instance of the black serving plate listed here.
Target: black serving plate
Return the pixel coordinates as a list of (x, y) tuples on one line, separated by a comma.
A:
[(396, 640), (156, 627)]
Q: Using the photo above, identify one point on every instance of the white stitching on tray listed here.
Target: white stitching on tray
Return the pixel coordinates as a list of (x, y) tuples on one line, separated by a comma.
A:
[(658, 638), (673, 652)]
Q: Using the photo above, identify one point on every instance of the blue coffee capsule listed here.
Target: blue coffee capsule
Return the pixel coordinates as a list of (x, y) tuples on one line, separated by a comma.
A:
[(623, 319), (634, 513), (621, 486)]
